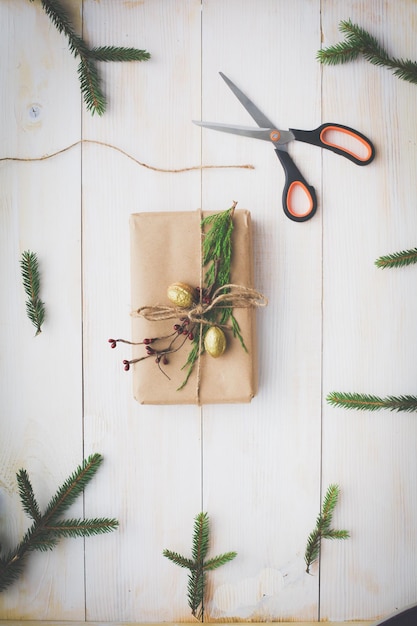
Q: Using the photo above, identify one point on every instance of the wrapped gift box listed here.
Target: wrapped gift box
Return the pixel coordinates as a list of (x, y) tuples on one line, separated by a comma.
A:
[(166, 248)]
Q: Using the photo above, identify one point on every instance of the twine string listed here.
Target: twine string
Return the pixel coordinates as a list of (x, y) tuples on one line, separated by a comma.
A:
[(104, 144), (236, 296), (200, 304)]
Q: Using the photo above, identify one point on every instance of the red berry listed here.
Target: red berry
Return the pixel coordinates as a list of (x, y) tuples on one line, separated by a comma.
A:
[(150, 350), (165, 361), (126, 367), (190, 336), (185, 331), (147, 340), (177, 326)]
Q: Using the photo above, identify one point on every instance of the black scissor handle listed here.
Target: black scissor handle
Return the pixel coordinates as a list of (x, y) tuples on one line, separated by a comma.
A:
[(362, 152), (295, 180)]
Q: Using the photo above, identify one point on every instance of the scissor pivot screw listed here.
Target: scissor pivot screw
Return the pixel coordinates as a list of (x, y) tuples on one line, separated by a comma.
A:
[(275, 135)]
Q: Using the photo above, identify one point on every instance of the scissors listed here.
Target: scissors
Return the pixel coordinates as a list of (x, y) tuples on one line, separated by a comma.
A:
[(323, 136)]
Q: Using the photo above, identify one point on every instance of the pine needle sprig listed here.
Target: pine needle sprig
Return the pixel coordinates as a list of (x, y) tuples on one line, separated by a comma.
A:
[(368, 402), (198, 566), (48, 528), (90, 83), (35, 308), (323, 528), (359, 42), (397, 259)]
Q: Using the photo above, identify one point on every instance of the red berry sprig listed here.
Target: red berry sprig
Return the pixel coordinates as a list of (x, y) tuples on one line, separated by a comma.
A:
[(181, 332)]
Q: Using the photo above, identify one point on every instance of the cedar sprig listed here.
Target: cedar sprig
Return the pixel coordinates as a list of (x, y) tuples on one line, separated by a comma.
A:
[(198, 565), (217, 254), (397, 259), (217, 258), (323, 528), (359, 42), (48, 528), (368, 402), (35, 308), (90, 83)]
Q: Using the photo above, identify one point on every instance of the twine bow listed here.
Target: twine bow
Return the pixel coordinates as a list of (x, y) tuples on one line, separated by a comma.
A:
[(224, 297)]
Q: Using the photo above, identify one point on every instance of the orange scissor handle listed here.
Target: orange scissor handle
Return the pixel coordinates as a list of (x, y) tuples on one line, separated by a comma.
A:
[(299, 198), (340, 139)]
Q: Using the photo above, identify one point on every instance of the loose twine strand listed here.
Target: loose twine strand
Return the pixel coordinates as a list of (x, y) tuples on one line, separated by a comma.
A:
[(126, 154)]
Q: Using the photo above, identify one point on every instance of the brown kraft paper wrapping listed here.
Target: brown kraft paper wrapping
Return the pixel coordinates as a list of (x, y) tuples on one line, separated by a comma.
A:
[(166, 248)]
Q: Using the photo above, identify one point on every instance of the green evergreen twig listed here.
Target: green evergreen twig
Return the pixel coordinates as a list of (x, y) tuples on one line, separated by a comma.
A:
[(91, 90), (35, 308), (359, 42), (323, 528), (217, 258), (48, 528), (397, 259), (197, 565), (368, 402)]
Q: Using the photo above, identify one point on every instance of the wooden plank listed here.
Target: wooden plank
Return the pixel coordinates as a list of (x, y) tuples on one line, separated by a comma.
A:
[(369, 323), (261, 462), (57, 623), (153, 478), (41, 418)]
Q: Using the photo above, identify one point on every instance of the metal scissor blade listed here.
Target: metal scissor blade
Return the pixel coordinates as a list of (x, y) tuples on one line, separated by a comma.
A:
[(251, 108), (244, 131), (278, 137)]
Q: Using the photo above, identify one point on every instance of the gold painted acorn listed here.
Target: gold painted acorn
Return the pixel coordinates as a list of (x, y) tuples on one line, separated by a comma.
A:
[(181, 295), (215, 341)]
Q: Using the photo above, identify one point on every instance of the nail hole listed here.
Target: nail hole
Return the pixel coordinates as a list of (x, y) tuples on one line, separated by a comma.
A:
[(34, 112)]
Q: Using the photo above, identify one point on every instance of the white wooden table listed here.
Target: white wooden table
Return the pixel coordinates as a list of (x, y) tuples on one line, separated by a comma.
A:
[(334, 321)]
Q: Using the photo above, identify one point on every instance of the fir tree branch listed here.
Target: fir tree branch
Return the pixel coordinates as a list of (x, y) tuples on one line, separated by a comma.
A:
[(90, 84), (116, 53), (35, 308), (81, 527), (217, 561), (73, 487), (197, 565), (397, 259), (200, 538), (178, 559), (46, 529), (359, 42), (27, 497), (323, 528), (368, 402), (195, 592)]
